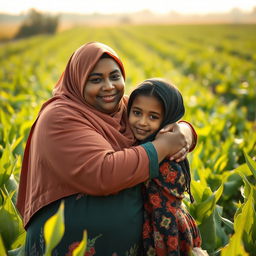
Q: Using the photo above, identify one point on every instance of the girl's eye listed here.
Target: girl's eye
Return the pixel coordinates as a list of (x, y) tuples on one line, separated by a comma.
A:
[(136, 112), (95, 80), (115, 77), (154, 117)]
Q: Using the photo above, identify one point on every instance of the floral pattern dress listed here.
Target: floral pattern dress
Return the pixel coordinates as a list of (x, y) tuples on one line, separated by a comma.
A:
[(168, 229)]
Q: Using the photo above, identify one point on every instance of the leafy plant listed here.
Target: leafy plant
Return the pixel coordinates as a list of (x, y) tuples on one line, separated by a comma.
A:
[(212, 65)]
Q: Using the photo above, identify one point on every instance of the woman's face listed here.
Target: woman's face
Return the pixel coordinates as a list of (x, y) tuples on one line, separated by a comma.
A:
[(105, 86)]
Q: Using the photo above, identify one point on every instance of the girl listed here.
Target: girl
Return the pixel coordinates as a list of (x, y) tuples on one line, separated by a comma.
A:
[(168, 228)]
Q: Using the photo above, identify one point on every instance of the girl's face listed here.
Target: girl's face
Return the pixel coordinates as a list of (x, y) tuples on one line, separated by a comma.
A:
[(146, 116), (105, 86)]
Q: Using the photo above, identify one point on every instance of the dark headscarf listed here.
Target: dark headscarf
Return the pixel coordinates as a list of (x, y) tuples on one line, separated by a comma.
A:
[(174, 109)]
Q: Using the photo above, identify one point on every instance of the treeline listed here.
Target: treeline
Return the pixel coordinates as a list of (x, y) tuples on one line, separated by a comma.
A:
[(38, 23)]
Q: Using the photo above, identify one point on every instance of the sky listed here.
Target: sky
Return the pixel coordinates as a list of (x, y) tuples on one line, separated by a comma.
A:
[(126, 6)]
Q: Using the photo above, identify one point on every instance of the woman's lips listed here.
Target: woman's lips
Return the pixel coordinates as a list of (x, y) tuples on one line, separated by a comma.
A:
[(108, 98)]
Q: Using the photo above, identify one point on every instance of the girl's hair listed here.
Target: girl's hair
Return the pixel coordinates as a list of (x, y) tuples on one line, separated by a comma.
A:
[(174, 109)]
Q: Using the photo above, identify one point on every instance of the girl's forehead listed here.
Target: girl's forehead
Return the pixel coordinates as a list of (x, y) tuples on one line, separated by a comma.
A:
[(148, 103), (147, 98)]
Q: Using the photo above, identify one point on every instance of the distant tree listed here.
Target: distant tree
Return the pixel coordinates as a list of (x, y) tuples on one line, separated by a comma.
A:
[(38, 23), (125, 20)]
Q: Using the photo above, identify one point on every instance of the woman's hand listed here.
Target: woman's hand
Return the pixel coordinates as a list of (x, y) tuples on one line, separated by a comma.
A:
[(184, 134), (169, 143)]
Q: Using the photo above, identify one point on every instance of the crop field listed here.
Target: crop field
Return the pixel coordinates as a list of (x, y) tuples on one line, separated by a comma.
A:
[(214, 66)]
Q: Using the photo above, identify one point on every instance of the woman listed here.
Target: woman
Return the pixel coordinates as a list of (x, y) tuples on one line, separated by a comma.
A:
[(80, 150)]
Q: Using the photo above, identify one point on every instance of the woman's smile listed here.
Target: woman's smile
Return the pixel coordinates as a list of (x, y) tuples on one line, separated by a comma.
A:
[(108, 98)]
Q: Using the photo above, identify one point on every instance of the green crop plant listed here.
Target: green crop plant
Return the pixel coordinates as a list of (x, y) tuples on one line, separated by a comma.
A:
[(214, 68)]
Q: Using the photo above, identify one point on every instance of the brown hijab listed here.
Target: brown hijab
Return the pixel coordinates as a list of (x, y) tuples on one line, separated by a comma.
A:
[(74, 148)]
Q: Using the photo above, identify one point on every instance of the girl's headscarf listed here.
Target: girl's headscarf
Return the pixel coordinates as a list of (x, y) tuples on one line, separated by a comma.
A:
[(174, 109)]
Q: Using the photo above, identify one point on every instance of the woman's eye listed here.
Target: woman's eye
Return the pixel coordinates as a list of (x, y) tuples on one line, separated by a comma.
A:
[(95, 80), (115, 77)]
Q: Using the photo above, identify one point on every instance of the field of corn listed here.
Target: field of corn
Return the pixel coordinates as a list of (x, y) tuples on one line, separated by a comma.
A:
[(214, 66)]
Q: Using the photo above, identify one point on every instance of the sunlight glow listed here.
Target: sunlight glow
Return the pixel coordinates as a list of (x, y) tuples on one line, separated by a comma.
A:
[(121, 6)]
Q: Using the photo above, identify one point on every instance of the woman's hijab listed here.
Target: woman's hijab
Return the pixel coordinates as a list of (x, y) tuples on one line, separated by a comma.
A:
[(57, 147)]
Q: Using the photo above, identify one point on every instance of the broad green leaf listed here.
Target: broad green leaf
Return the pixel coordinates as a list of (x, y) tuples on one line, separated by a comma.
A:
[(20, 251), (203, 175), (244, 168), (205, 208), (16, 142), (6, 163), (80, 250), (221, 163), (248, 213), (207, 193), (208, 238), (20, 241), (234, 248), (197, 190), (222, 235), (11, 226), (4, 120), (251, 164), (11, 186), (2, 248), (54, 230), (247, 188), (218, 193), (227, 222), (232, 182), (242, 223)]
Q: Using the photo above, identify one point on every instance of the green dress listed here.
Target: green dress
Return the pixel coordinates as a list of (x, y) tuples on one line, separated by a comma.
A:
[(113, 223)]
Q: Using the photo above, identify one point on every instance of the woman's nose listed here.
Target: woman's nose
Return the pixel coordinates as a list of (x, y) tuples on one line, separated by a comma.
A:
[(108, 85)]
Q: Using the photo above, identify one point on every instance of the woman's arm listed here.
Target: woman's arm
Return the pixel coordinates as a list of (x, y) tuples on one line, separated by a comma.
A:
[(81, 158)]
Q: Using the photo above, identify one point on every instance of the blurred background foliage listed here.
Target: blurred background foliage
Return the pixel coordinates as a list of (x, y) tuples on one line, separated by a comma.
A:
[(212, 65)]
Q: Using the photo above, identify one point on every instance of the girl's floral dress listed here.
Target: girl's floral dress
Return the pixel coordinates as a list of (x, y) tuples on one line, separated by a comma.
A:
[(168, 228)]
